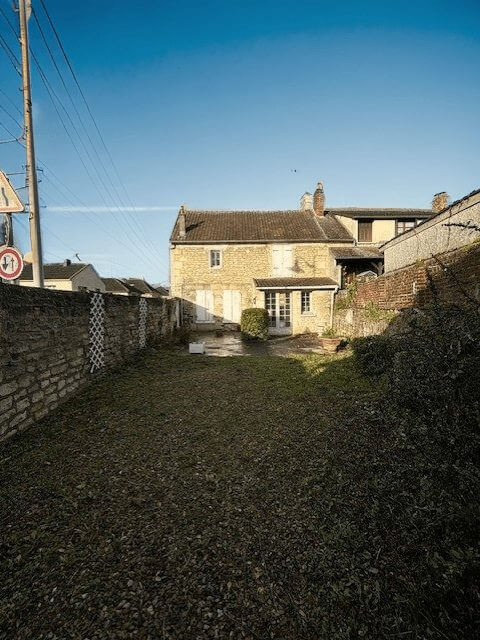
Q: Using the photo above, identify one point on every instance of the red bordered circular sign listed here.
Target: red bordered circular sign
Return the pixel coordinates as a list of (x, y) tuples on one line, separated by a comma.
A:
[(11, 263)]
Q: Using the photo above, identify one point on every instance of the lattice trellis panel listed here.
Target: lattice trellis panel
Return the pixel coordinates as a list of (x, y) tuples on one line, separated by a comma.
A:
[(142, 323), (97, 332)]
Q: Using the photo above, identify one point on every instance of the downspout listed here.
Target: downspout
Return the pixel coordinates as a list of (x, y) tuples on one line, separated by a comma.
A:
[(332, 300)]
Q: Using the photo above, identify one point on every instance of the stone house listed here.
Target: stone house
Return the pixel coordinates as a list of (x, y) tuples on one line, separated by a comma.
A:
[(453, 226), (66, 276), (288, 262)]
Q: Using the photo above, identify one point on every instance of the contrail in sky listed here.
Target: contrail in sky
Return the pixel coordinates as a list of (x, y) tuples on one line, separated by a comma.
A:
[(97, 209)]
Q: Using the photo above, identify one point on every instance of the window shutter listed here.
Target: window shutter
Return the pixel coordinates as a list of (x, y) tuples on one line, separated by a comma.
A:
[(236, 306), (287, 261), (200, 309), (209, 306), (227, 305), (277, 260)]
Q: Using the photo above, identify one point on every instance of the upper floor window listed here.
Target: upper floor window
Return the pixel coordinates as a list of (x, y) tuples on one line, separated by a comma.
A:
[(404, 225), (305, 302), (215, 258), (365, 230)]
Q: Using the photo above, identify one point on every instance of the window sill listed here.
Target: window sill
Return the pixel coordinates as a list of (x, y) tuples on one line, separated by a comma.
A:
[(308, 314)]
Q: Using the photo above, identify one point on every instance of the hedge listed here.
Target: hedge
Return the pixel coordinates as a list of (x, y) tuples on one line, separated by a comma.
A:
[(254, 324)]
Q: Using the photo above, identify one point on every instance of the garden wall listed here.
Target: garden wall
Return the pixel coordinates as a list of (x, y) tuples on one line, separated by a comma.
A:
[(54, 342), (451, 277)]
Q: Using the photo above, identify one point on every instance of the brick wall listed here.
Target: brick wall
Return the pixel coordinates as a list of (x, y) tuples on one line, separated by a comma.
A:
[(451, 277), (45, 346)]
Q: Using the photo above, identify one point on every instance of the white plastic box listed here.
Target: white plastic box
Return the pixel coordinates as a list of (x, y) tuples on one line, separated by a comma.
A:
[(196, 347)]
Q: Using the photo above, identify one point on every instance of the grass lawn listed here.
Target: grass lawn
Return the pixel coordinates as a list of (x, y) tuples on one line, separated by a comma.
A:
[(194, 497)]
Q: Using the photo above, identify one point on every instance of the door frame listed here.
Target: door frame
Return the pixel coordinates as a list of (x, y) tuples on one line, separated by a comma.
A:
[(280, 328)]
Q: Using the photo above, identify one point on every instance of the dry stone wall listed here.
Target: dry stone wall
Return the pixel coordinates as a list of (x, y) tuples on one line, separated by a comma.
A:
[(54, 342)]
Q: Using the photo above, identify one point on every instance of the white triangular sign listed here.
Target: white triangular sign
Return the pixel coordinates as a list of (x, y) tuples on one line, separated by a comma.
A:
[(9, 200)]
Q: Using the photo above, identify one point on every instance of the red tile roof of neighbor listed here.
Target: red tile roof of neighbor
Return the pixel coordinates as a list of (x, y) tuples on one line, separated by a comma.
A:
[(294, 283), (259, 226)]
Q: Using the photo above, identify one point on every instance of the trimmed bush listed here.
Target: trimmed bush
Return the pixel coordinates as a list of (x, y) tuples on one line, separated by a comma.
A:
[(254, 324)]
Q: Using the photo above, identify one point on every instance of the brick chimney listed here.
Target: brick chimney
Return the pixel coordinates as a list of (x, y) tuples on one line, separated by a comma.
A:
[(440, 201), (319, 200), (182, 226), (306, 202)]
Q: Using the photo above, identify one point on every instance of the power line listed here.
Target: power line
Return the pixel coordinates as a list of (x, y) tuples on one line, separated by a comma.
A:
[(11, 117), (7, 20), (10, 55), (67, 60), (5, 95), (52, 94)]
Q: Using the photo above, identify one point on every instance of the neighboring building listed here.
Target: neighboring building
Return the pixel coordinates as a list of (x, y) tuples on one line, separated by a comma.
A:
[(289, 262), (133, 287), (66, 276), (141, 285), (119, 287), (163, 291), (454, 226)]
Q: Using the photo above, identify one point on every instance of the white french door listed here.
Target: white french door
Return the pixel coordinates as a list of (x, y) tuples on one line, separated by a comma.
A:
[(232, 306), (277, 303)]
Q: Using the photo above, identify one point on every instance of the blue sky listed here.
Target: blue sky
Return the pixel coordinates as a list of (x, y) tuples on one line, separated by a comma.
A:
[(239, 104)]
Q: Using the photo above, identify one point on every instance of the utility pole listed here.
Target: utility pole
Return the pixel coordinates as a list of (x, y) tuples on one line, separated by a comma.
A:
[(31, 168)]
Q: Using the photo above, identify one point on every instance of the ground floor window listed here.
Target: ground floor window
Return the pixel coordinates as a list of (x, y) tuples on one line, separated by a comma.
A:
[(305, 305)]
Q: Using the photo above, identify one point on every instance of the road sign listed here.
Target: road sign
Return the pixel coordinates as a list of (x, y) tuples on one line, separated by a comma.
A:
[(11, 263), (9, 201)]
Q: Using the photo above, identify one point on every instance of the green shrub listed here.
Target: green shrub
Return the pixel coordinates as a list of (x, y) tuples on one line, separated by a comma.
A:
[(374, 354), (329, 333), (254, 324)]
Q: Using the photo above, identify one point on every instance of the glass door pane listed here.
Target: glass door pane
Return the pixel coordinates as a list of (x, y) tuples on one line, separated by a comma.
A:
[(284, 309), (271, 307)]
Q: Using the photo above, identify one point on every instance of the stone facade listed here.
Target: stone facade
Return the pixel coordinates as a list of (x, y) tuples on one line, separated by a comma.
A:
[(240, 265), (45, 346)]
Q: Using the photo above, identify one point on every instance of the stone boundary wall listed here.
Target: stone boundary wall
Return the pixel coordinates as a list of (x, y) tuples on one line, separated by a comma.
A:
[(451, 277), (54, 342)]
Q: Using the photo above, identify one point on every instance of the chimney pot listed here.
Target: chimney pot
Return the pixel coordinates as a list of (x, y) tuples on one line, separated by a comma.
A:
[(306, 202), (319, 200), (440, 201), (67, 263), (182, 226)]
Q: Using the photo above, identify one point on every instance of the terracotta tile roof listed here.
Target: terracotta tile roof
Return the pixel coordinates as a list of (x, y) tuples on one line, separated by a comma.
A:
[(356, 253), (294, 283), (259, 226), (384, 214), (55, 270)]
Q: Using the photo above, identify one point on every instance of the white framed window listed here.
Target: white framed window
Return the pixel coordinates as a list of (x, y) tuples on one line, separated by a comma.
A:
[(215, 258), (305, 302), (204, 305)]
